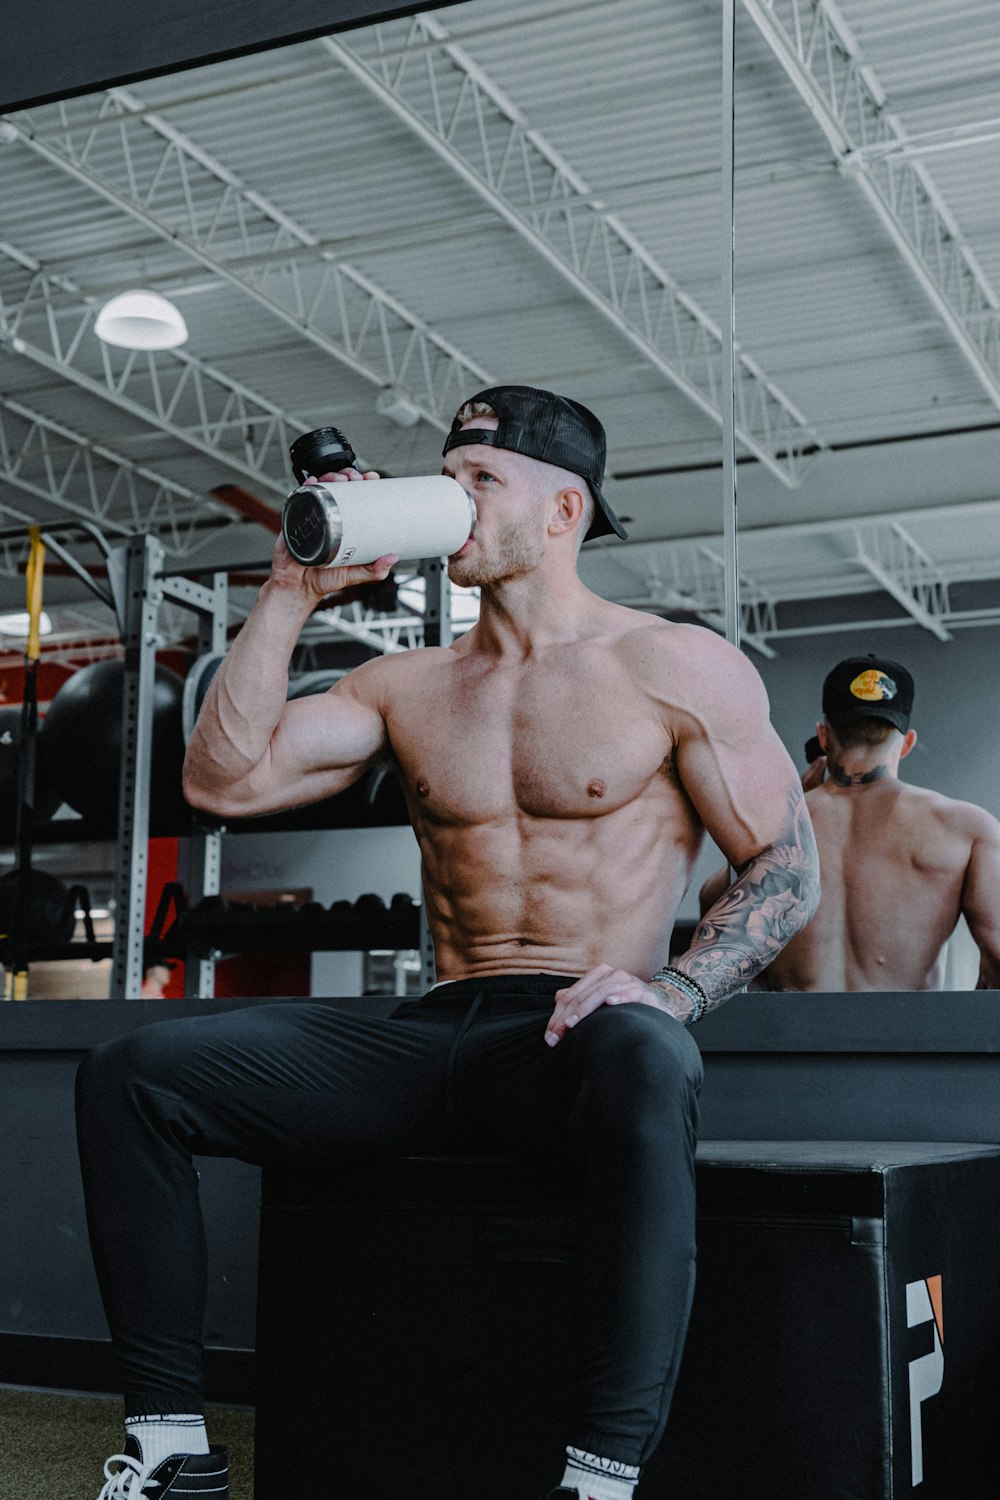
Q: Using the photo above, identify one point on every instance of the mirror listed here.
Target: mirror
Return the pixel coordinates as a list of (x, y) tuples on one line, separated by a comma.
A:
[(866, 283), (363, 229)]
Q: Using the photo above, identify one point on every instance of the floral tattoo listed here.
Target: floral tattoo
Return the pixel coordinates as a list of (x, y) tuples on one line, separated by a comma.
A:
[(772, 899)]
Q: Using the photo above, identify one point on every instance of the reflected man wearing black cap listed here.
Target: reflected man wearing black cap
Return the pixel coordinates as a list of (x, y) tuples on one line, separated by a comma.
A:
[(899, 864), (561, 762)]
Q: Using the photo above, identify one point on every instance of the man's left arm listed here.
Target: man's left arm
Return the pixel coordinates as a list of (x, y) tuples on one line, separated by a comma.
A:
[(980, 905), (747, 793)]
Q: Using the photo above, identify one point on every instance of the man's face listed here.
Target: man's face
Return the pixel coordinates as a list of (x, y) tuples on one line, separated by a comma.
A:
[(509, 491)]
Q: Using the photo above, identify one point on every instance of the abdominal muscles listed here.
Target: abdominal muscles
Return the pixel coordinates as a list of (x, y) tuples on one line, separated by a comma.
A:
[(520, 893)]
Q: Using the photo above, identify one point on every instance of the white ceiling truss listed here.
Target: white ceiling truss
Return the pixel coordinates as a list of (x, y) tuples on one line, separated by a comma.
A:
[(387, 633), (87, 479), (782, 565), (450, 102), (172, 390), (331, 211), (779, 566), (887, 551), (814, 46), (155, 173)]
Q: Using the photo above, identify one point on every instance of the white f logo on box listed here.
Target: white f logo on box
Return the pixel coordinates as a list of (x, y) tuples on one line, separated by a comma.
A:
[(924, 1305)]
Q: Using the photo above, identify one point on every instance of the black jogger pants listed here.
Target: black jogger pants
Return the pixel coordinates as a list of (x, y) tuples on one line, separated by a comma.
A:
[(465, 1068)]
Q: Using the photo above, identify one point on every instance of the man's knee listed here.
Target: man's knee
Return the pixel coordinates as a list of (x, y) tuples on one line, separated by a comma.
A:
[(114, 1069), (643, 1049)]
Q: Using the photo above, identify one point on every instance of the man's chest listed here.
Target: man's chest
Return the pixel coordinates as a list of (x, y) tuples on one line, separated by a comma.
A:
[(542, 741)]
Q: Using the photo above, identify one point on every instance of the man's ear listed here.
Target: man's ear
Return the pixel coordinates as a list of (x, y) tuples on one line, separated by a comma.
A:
[(822, 729), (909, 740), (567, 512)]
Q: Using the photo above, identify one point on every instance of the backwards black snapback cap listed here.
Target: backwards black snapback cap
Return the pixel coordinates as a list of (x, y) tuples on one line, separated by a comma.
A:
[(868, 687), (551, 428)]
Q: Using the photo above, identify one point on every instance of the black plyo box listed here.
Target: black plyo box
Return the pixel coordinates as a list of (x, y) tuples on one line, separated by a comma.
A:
[(414, 1316)]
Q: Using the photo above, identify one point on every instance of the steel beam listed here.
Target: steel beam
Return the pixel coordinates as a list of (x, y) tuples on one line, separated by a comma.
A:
[(812, 43), (452, 105), (203, 876), (142, 557)]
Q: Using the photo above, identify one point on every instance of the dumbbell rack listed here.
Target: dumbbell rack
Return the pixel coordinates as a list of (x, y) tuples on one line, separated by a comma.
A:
[(214, 925)]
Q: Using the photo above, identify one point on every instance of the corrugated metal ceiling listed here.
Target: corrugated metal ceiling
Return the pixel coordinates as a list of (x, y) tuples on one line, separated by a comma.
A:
[(626, 94)]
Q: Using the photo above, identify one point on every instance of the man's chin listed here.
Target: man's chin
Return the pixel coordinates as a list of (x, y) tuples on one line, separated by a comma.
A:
[(476, 569), (463, 571)]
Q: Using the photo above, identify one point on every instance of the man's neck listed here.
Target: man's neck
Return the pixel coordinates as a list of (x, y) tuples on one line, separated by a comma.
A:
[(841, 776), (526, 615)]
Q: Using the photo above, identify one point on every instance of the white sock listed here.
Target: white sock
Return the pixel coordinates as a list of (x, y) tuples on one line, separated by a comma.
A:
[(596, 1478), (160, 1437)]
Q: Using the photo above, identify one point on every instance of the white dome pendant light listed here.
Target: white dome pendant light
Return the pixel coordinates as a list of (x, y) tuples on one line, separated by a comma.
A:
[(141, 320)]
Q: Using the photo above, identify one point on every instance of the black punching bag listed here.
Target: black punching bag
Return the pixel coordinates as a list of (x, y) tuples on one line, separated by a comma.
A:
[(46, 798), (81, 746)]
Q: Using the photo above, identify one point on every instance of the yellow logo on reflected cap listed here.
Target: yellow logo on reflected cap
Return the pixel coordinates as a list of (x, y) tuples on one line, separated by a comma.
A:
[(873, 686)]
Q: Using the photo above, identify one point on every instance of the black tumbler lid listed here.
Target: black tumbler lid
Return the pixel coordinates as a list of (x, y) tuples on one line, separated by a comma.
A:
[(322, 451), (304, 527)]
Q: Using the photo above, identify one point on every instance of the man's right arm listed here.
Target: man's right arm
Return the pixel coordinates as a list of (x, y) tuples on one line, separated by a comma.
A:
[(981, 898), (252, 751)]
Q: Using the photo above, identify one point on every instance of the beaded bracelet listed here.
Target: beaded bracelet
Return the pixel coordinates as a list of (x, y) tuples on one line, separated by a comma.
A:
[(687, 986)]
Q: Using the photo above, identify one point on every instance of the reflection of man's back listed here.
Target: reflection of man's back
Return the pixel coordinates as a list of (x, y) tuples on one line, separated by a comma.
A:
[(893, 866), (899, 864)]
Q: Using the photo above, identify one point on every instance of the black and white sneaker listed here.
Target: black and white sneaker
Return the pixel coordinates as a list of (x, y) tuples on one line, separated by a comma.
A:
[(203, 1474)]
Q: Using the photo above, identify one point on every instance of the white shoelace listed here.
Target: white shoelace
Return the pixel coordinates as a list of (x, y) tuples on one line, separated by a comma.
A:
[(126, 1483)]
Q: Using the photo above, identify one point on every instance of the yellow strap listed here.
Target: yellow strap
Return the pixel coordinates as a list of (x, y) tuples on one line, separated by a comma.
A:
[(34, 572), (16, 984)]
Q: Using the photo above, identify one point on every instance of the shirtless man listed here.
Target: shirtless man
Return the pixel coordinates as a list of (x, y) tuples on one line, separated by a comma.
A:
[(561, 761), (899, 864)]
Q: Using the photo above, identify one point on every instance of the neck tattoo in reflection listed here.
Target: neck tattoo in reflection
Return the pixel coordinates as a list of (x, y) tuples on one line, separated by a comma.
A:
[(856, 778)]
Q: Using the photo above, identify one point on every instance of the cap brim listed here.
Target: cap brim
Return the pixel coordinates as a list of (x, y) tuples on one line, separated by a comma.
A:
[(891, 716), (605, 522)]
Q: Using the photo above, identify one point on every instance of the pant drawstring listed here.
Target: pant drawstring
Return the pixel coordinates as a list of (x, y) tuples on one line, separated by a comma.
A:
[(449, 1067)]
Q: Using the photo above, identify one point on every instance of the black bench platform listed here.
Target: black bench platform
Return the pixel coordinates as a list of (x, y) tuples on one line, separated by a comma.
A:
[(414, 1314)]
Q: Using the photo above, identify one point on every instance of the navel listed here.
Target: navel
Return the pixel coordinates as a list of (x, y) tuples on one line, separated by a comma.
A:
[(596, 787), (423, 788)]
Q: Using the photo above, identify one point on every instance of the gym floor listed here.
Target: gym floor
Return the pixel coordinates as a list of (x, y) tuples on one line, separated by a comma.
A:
[(54, 1445)]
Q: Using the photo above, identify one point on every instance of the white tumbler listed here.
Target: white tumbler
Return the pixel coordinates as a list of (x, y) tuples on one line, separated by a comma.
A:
[(331, 525)]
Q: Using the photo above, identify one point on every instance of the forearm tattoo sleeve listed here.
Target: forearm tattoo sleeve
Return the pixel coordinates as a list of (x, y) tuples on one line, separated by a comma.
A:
[(771, 899)]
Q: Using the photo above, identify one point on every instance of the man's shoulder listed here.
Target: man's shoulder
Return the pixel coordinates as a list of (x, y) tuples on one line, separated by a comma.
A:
[(691, 666), (394, 671), (675, 645), (965, 819)]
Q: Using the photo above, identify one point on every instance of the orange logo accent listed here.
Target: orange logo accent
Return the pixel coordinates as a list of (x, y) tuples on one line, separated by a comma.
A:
[(873, 686), (934, 1289)]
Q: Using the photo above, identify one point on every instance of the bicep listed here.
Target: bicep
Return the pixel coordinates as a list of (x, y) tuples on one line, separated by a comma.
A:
[(738, 774), (981, 895), (320, 746)]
